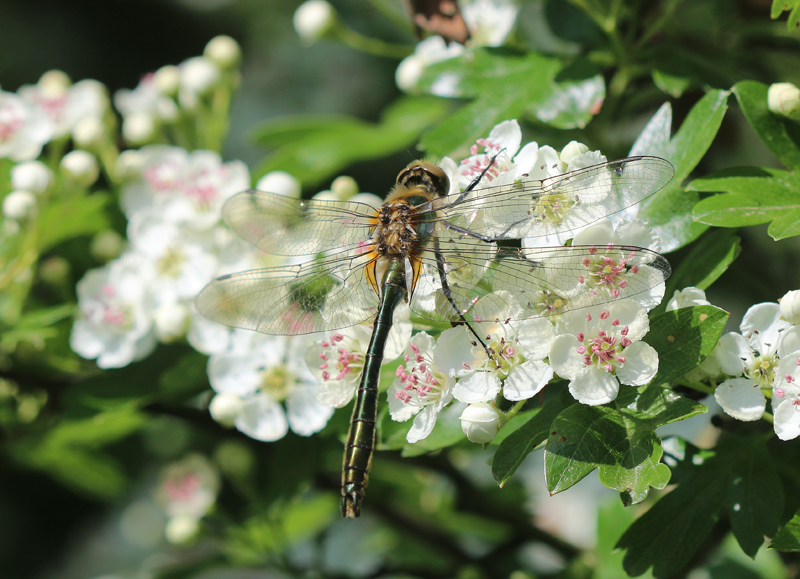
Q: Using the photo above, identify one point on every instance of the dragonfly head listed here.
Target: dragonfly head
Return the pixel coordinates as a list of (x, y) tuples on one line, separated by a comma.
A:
[(425, 175)]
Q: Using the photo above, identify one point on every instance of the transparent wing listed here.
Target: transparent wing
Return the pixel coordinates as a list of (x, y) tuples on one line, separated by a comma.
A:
[(562, 203), (485, 282), (286, 226), (320, 295)]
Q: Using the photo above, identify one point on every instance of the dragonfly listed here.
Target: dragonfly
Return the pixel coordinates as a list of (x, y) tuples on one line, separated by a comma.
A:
[(453, 257)]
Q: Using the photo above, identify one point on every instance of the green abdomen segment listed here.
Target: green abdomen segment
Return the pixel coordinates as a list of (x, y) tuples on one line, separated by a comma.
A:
[(361, 438)]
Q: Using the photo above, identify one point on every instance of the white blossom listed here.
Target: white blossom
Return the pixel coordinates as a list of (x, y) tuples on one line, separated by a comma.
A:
[(751, 359), (421, 388), (116, 308), (280, 183), (516, 364), (786, 397), (489, 21), (23, 128), (337, 360), (276, 388), (600, 348), (64, 104)]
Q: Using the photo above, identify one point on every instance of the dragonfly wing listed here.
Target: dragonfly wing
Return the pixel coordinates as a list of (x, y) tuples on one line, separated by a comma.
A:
[(320, 295), (487, 283), (286, 226), (556, 204)]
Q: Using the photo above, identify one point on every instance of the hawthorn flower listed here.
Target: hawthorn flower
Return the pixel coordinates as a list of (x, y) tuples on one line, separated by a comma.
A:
[(751, 359), (786, 397), (187, 491), (276, 389), (426, 53), (65, 104), (182, 261), (608, 267), (489, 21), (115, 324), (600, 349), (338, 359), (183, 187), (148, 104), (23, 128), (516, 364), (421, 389), (19, 205)]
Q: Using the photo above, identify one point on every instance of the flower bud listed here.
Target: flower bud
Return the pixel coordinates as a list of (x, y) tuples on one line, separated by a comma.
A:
[(106, 245), (88, 132), (81, 167), (790, 307), (572, 150), (54, 83), (344, 187), (783, 98), (19, 205), (223, 51), (167, 80), (198, 75), (280, 183), (225, 408), (128, 165), (138, 128), (313, 19), (54, 270), (480, 422), (33, 176)]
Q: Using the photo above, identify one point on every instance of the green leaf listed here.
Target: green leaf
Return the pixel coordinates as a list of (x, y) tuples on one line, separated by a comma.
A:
[(669, 210), (779, 6), (788, 538), (752, 196), (513, 450), (708, 259), (64, 219), (780, 135), (618, 438), (315, 148), (34, 327), (504, 86), (683, 338), (671, 84), (734, 477)]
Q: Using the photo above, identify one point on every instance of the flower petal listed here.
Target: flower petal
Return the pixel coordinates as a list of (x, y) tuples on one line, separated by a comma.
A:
[(787, 420), (263, 419), (564, 357), (733, 354), (526, 380), (477, 387), (306, 415), (641, 364), (741, 398), (594, 387)]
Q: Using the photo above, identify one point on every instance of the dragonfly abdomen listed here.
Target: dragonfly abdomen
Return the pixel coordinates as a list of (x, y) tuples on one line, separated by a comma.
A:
[(361, 438)]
